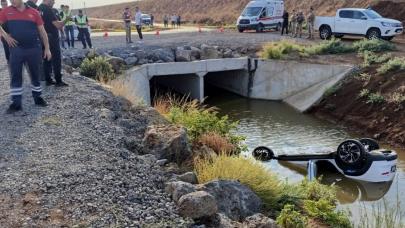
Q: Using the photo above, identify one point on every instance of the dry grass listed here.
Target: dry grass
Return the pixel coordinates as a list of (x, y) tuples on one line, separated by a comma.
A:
[(217, 143)]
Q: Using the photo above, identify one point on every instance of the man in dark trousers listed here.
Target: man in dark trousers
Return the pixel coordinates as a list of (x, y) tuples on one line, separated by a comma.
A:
[(126, 16), (285, 23), (26, 28), (52, 27), (82, 22), (32, 4)]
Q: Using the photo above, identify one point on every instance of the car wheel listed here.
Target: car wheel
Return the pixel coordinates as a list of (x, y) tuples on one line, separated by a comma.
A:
[(260, 28), (263, 153), (369, 144), (325, 33), (350, 153), (373, 34), (241, 30)]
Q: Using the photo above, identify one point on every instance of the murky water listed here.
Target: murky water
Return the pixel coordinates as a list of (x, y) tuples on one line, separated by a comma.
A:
[(286, 131)]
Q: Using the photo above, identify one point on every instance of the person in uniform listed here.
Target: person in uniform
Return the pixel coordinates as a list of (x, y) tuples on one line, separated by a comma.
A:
[(25, 30), (300, 22), (285, 23), (82, 22), (293, 23), (52, 27), (4, 4), (311, 23), (126, 16), (69, 29), (32, 4)]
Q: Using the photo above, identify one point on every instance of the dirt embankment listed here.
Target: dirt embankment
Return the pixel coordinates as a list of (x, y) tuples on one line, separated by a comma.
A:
[(384, 121)]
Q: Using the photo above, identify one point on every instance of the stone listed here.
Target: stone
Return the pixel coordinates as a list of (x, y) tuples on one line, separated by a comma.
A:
[(259, 221), (208, 52), (140, 54), (161, 162), (183, 55), (228, 53), (177, 189), (195, 54), (142, 61), (116, 62), (197, 205), (234, 199), (107, 114), (131, 61), (167, 142), (189, 177)]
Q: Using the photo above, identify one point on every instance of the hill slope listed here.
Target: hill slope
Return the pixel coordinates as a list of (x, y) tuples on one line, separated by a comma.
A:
[(227, 11)]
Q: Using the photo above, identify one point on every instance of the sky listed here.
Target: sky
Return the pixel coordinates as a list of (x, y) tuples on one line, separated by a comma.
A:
[(89, 3)]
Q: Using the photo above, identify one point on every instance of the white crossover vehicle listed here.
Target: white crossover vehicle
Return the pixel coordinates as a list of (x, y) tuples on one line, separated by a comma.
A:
[(356, 159), (359, 22)]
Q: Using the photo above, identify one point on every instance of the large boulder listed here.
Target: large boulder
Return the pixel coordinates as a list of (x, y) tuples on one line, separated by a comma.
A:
[(177, 189), (116, 62), (131, 61), (209, 52), (234, 199), (259, 221), (167, 142), (189, 177), (195, 54), (183, 55), (197, 205)]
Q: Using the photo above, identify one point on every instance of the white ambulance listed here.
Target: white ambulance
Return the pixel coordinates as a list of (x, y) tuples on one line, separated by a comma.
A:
[(261, 14)]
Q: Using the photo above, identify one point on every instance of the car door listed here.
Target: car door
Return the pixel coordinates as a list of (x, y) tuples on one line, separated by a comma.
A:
[(343, 21), (359, 23)]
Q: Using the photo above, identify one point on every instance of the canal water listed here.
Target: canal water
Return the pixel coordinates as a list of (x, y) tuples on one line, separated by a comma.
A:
[(287, 131)]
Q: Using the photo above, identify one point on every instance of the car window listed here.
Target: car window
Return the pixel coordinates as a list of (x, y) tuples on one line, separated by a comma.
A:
[(358, 15), (346, 14), (252, 11), (372, 14)]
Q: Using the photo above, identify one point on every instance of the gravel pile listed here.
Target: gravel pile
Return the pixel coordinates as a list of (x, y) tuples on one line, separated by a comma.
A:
[(78, 162)]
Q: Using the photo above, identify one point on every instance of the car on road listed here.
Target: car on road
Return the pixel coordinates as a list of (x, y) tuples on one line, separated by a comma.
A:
[(260, 15), (358, 22), (146, 19), (361, 160)]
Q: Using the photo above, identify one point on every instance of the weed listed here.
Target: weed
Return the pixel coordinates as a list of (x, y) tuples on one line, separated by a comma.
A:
[(364, 77), (326, 212), (97, 68), (364, 93), (375, 98), (217, 143), (291, 218), (397, 63), (372, 58), (278, 50), (333, 46), (396, 98), (373, 45)]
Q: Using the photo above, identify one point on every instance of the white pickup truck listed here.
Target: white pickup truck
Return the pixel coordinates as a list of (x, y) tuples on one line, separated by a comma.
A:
[(359, 22)]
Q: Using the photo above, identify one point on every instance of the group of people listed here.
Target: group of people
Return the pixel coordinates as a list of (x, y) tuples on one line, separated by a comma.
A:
[(31, 37), (67, 34), (175, 21), (296, 22), (127, 17)]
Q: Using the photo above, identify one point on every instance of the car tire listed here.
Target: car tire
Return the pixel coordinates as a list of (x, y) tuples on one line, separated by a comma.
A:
[(325, 33), (241, 30), (350, 153), (373, 33), (263, 153), (260, 28), (369, 144)]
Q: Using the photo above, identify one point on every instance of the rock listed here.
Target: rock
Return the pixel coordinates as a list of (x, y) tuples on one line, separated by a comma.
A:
[(195, 54), (197, 205), (183, 55), (140, 54), (142, 61), (131, 61), (107, 114), (177, 189), (116, 63), (167, 142), (228, 53), (161, 162), (259, 221), (189, 177), (208, 52), (234, 199)]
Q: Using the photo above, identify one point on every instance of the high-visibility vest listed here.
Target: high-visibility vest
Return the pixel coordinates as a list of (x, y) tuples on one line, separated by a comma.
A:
[(67, 18), (81, 21)]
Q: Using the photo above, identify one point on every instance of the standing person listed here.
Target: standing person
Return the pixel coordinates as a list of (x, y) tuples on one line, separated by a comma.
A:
[(311, 23), (67, 19), (300, 22), (26, 29), (178, 21), (285, 23), (82, 22), (126, 16), (32, 4), (152, 19), (4, 5), (62, 31), (293, 23), (166, 21), (174, 20), (138, 22), (52, 27)]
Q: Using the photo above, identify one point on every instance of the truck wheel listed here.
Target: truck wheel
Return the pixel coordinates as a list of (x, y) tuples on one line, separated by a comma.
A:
[(350, 153), (241, 30), (373, 34), (260, 28), (369, 144), (325, 32), (263, 153)]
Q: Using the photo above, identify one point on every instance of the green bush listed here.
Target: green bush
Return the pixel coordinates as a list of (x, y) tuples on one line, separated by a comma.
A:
[(375, 98), (326, 212), (364, 93), (397, 63), (97, 68), (372, 58), (333, 46), (374, 45), (291, 218), (278, 50)]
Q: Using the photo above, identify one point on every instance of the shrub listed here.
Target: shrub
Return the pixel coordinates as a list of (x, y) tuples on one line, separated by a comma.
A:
[(278, 50), (333, 46), (375, 98), (217, 143), (396, 98), (364, 77), (97, 68), (325, 211), (291, 218), (364, 93), (397, 63), (247, 171), (374, 45), (372, 58)]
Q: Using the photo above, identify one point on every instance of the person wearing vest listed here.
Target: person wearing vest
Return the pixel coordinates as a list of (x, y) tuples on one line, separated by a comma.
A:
[(300, 22), (82, 23), (293, 23), (69, 29), (311, 23), (126, 16)]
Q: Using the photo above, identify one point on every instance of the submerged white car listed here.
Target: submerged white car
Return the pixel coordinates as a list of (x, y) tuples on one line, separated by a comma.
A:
[(356, 159), (358, 22)]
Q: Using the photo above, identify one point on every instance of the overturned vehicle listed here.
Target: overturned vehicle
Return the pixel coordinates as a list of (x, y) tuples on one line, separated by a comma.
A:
[(356, 159)]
